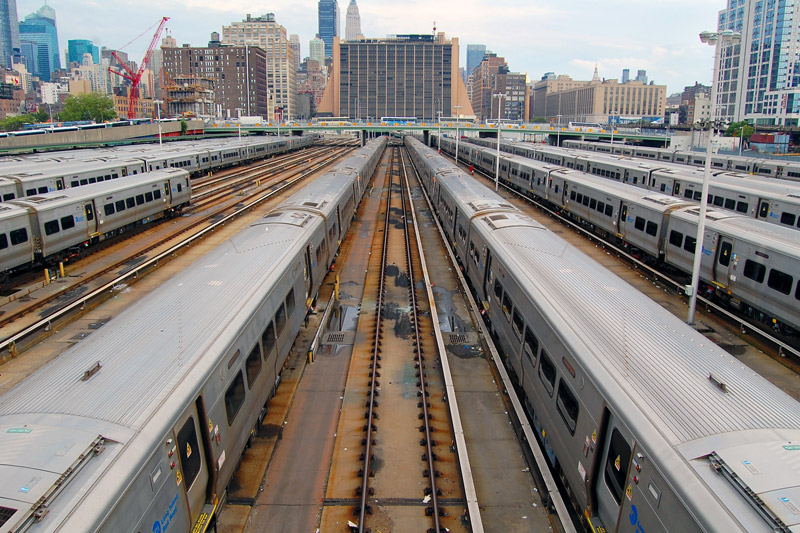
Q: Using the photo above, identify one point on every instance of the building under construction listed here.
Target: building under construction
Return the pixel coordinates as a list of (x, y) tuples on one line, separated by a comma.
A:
[(189, 96)]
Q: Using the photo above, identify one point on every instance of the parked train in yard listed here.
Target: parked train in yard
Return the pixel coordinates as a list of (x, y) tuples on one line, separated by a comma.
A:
[(140, 426), (771, 168), (652, 426), (35, 224), (773, 200), (751, 265), (40, 173)]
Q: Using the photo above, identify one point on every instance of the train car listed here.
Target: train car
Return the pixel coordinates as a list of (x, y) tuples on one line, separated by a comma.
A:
[(8, 189), (16, 241), (140, 426), (652, 427), (61, 221)]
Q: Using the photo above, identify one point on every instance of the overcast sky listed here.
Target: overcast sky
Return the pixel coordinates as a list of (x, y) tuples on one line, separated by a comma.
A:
[(535, 36)]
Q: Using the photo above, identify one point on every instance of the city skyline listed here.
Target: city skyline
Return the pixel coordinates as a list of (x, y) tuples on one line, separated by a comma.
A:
[(571, 39)]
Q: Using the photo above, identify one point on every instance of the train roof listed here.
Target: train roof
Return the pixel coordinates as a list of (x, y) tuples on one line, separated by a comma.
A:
[(746, 228)]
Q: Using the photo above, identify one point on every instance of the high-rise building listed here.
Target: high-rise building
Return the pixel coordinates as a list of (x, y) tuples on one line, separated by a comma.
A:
[(77, 47), (352, 27), (641, 75), (759, 79), (239, 75), (492, 77), (95, 72), (294, 43), (316, 50), (328, 11), (604, 101), (402, 76), (9, 31), (40, 27), (157, 63), (474, 56), (270, 36), (626, 75)]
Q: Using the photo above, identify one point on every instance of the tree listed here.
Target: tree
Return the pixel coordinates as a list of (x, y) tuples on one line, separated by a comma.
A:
[(740, 129), (89, 106), (184, 127)]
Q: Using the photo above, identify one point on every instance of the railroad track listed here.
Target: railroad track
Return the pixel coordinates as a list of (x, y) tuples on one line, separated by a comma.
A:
[(13, 333)]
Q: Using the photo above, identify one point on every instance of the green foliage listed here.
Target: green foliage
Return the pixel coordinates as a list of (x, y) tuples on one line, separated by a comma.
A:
[(17, 122), (89, 106), (184, 127), (743, 129), (538, 120)]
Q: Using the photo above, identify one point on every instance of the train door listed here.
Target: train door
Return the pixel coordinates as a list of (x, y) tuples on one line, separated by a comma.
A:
[(91, 222), (59, 184), (612, 478), (722, 264), (192, 474), (167, 195), (487, 267), (309, 270), (763, 209)]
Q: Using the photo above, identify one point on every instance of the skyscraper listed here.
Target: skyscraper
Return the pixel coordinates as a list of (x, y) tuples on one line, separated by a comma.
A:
[(9, 31), (474, 56), (759, 79), (77, 47), (626, 75), (316, 50), (352, 27), (294, 44), (39, 28), (328, 24)]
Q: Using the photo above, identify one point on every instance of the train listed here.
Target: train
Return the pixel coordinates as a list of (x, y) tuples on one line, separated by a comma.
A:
[(651, 426), (140, 426), (748, 264), (773, 200), (51, 227), (771, 168), (41, 173)]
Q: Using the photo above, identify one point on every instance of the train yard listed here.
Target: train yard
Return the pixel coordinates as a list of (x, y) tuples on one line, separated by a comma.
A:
[(395, 410)]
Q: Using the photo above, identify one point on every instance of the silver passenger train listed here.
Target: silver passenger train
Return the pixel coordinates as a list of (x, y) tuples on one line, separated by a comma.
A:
[(140, 426), (50, 227), (772, 200), (770, 168), (653, 427), (751, 265), (40, 173)]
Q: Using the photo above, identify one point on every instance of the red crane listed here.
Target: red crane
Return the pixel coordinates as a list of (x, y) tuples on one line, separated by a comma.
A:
[(136, 77)]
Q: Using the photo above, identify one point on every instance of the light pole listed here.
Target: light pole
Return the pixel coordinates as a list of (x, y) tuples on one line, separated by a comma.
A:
[(158, 105), (439, 123), (499, 96), (558, 131), (612, 128), (457, 107), (715, 39)]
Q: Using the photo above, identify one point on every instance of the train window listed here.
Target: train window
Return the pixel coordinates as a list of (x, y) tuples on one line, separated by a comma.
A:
[(280, 319), (139, 199), (585, 200), (114, 176), (652, 228), (30, 192), (51, 227), (67, 222), (698, 195), (663, 187), (779, 281), (572, 195), (157, 194), (517, 324), (677, 188), (690, 244), (754, 271), (639, 224), (93, 180), (130, 203), (688, 194), (742, 207), (18, 236), (719, 201), (120, 205), (763, 210), (619, 456), (725, 254), (75, 183), (788, 218), (730, 204), (42, 190), (148, 197), (579, 199), (290, 305), (556, 188), (609, 210), (234, 398), (567, 406), (3, 241), (498, 290), (189, 452), (531, 345), (180, 187), (507, 306), (253, 365), (797, 292), (268, 339), (547, 373), (108, 209), (601, 206), (593, 204)]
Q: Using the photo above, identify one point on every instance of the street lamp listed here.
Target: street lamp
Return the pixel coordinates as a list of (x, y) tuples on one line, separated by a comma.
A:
[(715, 39), (612, 127), (158, 105), (558, 131), (497, 169), (457, 107), (439, 122)]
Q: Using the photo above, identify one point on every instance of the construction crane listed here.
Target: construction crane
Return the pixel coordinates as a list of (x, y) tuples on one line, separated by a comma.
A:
[(136, 77)]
